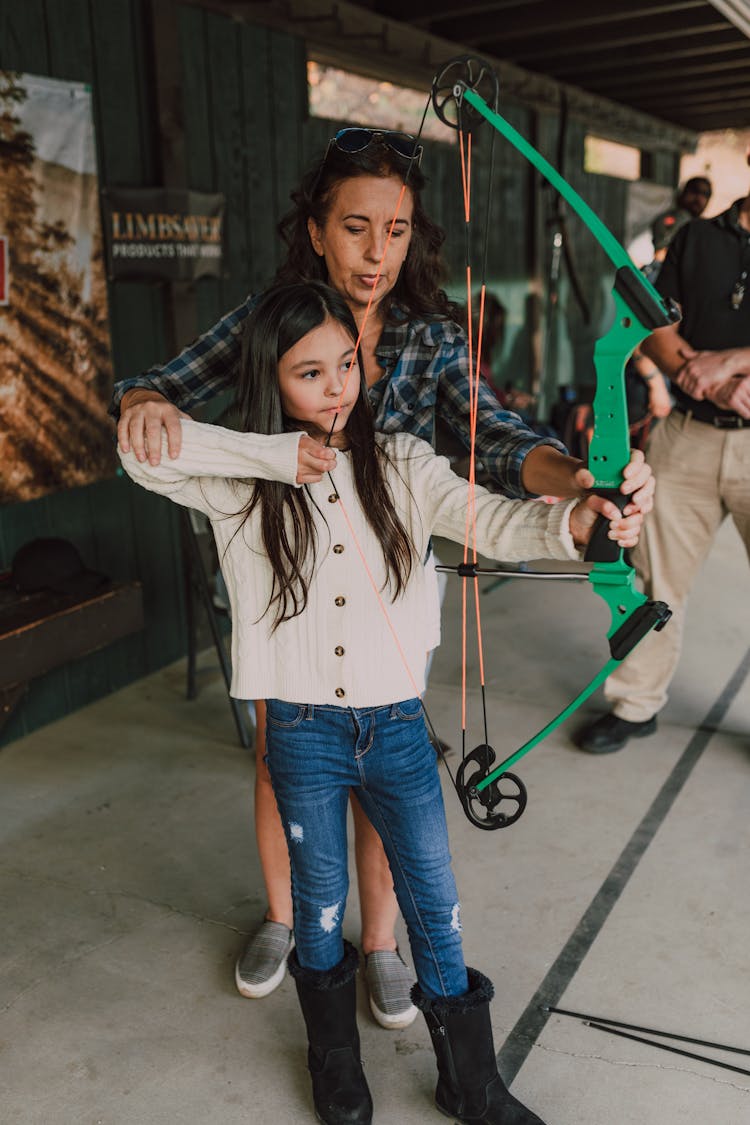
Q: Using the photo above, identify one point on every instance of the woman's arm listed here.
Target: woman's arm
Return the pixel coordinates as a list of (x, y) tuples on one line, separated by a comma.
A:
[(521, 463)]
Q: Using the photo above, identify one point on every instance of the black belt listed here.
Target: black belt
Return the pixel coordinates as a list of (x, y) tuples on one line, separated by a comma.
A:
[(719, 421)]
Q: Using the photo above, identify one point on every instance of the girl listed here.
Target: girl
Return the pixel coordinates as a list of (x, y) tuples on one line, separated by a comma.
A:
[(292, 500), (416, 365)]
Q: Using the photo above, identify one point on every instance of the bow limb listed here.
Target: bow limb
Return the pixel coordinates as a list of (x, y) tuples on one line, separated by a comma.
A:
[(632, 614), (639, 309)]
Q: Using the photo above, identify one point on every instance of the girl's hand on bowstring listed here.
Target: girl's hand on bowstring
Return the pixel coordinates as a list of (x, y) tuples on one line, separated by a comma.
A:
[(313, 460), (624, 529)]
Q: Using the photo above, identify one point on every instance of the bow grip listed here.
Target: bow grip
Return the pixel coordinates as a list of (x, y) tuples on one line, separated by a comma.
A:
[(600, 548)]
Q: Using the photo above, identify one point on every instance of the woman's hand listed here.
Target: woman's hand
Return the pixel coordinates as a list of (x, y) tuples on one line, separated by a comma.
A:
[(143, 415), (638, 483), (624, 529), (313, 460)]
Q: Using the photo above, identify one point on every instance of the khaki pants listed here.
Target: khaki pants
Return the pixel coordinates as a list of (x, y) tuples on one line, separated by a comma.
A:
[(702, 475)]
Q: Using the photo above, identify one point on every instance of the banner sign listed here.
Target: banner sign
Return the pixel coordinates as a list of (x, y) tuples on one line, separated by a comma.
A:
[(55, 364), (4, 281), (163, 234)]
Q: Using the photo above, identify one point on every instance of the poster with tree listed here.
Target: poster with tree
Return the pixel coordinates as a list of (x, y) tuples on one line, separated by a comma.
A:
[(55, 362)]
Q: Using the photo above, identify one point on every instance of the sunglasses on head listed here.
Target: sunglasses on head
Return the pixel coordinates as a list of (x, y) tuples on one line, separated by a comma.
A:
[(354, 140)]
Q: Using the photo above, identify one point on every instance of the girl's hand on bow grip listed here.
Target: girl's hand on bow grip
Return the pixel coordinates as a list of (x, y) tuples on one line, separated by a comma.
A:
[(624, 529), (313, 460)]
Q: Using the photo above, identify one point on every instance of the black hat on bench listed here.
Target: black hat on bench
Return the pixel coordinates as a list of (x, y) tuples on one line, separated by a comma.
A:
[(55, 565)]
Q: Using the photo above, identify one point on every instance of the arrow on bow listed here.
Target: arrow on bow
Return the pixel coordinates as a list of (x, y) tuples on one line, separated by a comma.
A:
[(457, 96)]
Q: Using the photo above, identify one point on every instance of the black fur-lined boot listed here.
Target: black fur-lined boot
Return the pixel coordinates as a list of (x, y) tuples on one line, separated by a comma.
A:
[(329, 1005), (469, 1087)]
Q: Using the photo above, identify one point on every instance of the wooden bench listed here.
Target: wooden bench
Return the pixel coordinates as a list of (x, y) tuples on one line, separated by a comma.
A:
[(43, 631)]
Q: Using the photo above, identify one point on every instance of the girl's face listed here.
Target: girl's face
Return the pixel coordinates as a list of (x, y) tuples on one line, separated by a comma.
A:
[(353, 237), (312, 376)]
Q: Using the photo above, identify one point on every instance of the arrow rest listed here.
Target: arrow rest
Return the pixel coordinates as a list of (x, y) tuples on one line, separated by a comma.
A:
[(501, 803), (465, 72)]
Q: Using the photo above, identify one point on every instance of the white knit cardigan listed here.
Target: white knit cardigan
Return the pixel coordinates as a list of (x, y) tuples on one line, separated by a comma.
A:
[(341, 650)]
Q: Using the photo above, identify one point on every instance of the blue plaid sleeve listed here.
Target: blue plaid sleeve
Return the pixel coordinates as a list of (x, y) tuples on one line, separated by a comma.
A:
[(202, 370), (503, 440)]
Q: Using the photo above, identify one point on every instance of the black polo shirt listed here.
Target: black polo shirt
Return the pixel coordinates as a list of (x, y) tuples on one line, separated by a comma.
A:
[(704, 261)]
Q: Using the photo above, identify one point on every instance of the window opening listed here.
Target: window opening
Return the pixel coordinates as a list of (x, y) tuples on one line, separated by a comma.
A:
[(610, 158), (339, 95)]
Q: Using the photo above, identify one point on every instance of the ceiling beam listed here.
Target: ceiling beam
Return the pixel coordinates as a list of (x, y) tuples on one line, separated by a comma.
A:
[(640, 61), (710, 121), (338, 33), (667, 101), (715, 71), (424, 12), (559, 46), (566, 19), (736, 11)]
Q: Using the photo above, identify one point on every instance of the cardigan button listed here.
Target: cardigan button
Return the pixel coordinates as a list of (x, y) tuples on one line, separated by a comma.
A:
[(339, 650), (340, 693), (339, 601), (333, 498), (338, 548)]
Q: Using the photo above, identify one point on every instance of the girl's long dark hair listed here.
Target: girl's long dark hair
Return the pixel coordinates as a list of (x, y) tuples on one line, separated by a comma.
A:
[(418, 290), (281, 318)]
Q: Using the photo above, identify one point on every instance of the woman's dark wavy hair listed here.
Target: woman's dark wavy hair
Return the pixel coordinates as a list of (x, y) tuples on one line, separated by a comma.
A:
[(418, 290), (280, 319)]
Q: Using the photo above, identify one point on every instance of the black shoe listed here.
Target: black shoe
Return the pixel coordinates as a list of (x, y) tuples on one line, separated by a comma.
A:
[(610, 733), (469, 1088), (329, 1005)]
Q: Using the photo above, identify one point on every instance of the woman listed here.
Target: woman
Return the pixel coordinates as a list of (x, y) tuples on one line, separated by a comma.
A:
[(416, 366)]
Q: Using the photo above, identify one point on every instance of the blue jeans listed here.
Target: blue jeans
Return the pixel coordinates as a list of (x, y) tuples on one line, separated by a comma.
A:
[(316, 755)]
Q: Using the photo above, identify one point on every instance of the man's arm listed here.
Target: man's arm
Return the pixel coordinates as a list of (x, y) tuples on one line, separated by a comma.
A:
[(719, 376)]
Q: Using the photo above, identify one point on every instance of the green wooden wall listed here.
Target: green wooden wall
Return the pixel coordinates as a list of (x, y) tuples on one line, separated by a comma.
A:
[(248, 136), (118, 530)]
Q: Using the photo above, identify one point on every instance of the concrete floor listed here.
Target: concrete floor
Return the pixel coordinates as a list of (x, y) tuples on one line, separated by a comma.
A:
[(129, 878)]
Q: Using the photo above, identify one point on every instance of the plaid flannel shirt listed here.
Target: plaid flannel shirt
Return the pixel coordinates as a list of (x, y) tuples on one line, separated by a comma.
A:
[(426, 365)]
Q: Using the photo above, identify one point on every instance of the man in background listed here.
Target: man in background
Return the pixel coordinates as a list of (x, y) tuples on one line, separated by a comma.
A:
[(700, 454), (690, 203)]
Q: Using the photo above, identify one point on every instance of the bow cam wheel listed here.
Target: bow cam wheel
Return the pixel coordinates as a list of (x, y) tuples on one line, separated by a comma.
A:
[(500, 803), (467, 72)]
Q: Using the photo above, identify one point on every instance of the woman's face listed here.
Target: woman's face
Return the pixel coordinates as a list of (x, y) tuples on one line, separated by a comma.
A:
[(312, 378), (353, 237)]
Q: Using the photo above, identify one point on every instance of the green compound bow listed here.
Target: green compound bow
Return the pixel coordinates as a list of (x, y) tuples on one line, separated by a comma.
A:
[(639, 310)]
